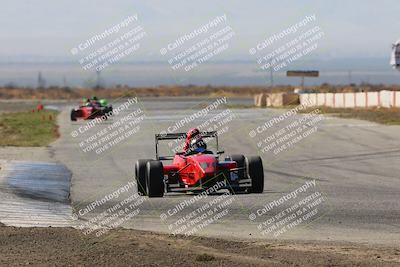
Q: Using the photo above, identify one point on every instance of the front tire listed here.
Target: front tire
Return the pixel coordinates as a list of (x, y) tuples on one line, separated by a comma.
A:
[(255, 171), (73, 115), (155, 179), (140, 175)]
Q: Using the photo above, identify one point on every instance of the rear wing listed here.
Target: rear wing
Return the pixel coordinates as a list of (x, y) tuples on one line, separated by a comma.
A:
[(174, 136)]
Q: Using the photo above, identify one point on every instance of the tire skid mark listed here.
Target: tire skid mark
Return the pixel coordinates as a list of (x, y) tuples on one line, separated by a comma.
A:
[(35, 194)]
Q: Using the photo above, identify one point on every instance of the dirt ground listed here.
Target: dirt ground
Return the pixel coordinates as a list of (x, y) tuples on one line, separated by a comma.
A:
[(26, 153), (70, 247)]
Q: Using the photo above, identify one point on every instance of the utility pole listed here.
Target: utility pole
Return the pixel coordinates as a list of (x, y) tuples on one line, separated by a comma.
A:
[(271, 76), (64, 81), (350, 80), (98, 82), (41, 81)]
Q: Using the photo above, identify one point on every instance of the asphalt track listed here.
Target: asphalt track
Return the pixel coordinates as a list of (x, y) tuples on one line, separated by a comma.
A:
[(355, 165)]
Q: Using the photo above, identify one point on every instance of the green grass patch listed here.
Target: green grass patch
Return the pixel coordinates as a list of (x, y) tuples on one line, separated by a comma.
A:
[(389, 116), (28, 128)]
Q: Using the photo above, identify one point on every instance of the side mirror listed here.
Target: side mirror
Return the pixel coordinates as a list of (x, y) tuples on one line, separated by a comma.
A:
[(220, 152)]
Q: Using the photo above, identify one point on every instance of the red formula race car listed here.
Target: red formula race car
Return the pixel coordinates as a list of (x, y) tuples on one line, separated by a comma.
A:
[(198, 171), (90, 109)]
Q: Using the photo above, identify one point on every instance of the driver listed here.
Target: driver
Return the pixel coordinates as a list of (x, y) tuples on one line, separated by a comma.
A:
[(194, 142), (87, 102), (95, 101)]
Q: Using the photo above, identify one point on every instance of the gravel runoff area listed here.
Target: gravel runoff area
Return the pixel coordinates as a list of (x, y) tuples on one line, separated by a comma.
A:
[(69, 247)]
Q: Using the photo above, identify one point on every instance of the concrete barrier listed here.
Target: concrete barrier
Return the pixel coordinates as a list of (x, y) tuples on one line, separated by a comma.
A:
[(386, 99), (276, 99), (260, 100)]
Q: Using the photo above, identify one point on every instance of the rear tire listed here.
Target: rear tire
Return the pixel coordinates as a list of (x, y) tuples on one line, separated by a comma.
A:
[(73, 115), (155, 179), (255, 171), (140, 175)]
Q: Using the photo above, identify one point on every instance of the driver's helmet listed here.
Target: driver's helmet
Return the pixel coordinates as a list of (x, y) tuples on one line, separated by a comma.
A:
[(194, 141), (103, 102), (192, 133)]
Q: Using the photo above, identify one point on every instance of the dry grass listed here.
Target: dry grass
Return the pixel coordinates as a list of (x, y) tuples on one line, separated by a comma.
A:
[(189, 90), (172, 91), (389, 116), (30, 129)]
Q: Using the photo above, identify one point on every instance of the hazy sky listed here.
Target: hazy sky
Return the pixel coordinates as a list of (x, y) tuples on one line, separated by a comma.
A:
[(50, 28)]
